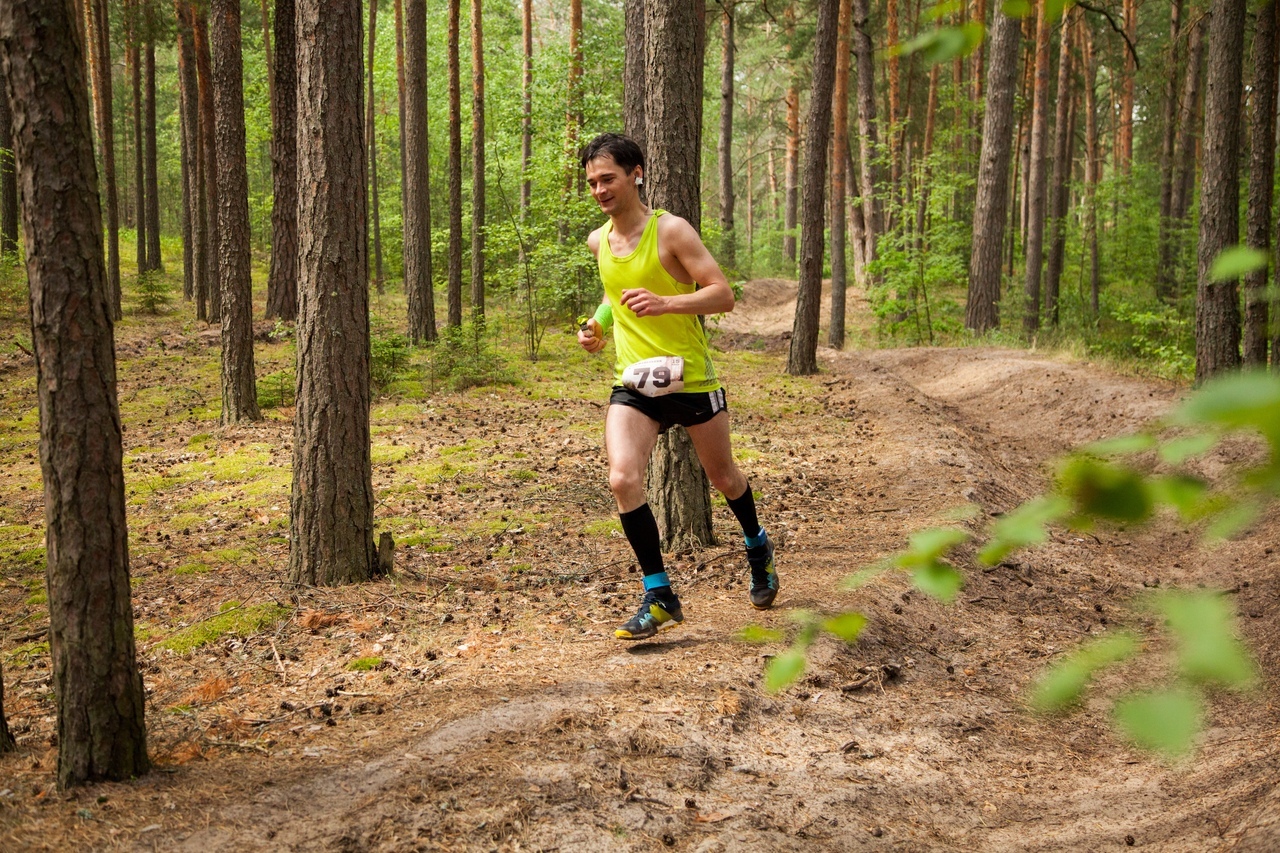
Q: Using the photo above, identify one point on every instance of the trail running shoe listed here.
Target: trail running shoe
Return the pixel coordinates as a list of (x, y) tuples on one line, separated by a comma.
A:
[(764, 577), (653, 616)]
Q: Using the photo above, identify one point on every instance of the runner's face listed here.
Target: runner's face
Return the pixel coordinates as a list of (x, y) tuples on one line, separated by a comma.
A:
[(611, 187)]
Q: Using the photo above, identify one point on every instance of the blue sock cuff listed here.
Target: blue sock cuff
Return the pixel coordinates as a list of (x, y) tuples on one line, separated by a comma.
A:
[(656, 580), (757, 540)]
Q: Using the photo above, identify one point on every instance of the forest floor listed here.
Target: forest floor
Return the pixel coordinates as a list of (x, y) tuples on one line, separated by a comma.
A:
[(477, 700)]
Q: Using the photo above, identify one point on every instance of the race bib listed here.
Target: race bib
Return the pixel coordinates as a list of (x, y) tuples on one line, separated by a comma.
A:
[(655, 377)]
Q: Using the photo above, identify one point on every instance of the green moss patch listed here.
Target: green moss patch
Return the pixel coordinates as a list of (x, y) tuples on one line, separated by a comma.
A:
[(234, 618)]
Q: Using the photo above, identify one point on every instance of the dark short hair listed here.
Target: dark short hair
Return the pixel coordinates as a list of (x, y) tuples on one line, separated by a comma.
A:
[(623, 149)]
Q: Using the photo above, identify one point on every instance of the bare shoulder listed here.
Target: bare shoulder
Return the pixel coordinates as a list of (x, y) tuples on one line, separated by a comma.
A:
[(593, 241), (672, 227)]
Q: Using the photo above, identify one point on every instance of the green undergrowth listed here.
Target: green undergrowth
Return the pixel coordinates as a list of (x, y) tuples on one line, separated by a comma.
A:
[(233, 618)]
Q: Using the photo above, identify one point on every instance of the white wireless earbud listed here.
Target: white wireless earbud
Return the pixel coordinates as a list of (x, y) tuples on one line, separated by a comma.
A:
[(639, 181)]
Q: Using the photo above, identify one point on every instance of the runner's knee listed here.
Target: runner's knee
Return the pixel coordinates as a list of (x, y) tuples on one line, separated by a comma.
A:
[(624, 482)]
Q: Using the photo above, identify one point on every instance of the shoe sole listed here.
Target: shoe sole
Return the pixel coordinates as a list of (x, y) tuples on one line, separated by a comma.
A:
[(767, 604), (665, 626)]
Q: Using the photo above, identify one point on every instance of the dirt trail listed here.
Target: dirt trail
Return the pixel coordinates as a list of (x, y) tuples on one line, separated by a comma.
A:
[(543, 733)]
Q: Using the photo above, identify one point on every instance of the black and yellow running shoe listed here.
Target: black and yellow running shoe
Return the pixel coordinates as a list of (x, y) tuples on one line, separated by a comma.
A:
[(653, 616)]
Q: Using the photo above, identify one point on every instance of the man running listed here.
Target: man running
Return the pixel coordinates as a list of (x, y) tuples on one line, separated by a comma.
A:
[(658, 277)]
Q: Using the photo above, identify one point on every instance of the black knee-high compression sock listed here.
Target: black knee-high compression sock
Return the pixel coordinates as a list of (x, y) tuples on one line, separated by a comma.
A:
[(744, 509), (641, 529)]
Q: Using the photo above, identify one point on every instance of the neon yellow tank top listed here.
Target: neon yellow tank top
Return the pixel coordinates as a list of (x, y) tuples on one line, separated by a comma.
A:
[(637, 338)]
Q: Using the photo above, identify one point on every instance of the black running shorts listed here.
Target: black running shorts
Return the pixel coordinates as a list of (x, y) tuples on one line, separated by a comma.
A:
[(671, 409)]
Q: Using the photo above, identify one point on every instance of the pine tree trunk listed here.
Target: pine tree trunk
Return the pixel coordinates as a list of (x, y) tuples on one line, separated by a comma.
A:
[(1036, 174), (477, 162), (210, 305), (8, 180), (526, 110), (455, 167), (894, 97), (1092, 169), (239, 390), (635, 73), (417, 177), (674, 47), (7, 742), (192, 232), (572, 111), (791, 168), (1164, 274), (1172, 251), (371, 145), (839, 156), (803, 357), (926, 150), (1262, 141), (272, 97), (728, 254), (331, 525), (869, 189), (100, 41), (133, 67), (1189, 124), (400, 93), (154, 261), (96, 683), (1124, 134), (1218, 302), (982, 307), (282, 279), (1057, 224)]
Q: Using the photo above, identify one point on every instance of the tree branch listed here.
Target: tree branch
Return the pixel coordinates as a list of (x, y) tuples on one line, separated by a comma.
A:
[(1119, 29)]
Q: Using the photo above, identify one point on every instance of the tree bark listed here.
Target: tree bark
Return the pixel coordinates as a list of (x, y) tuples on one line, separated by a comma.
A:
[(803, 357), (572, 112), (270, 59), (635, 73), (239, 390), (192, 179), (331, 524), (982, 312), (1124, 135), (1218, 302), (526, 109), (8, 180), (100, 39), (477, 161), (674, 48), (1057, 228), (1184, 162), (1262, 141), (7, 742), (728, 253), (1168, 138), (154, 261), (1092, 168), (869, 188), (455, 168), (790, 171), (1036, 173), (371, 145), (282, 279), (839, 155), (209, 305), (98, 689), (133, 68), (417, 178), (400, 93)]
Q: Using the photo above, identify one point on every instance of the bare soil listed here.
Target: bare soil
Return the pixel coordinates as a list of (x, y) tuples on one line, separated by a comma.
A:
[(502, 714)]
